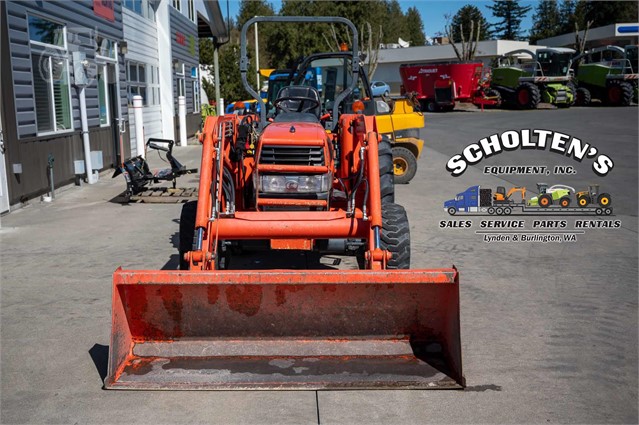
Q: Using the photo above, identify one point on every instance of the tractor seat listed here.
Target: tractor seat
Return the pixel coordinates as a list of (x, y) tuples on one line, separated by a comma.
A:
[(296, 108)]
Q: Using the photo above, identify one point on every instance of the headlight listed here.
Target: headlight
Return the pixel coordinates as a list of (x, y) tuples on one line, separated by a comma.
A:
[(295, 183)]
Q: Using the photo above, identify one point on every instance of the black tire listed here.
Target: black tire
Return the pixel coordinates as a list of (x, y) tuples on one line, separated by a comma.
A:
[(564, 202), (448, 108), (431, 106), (583, 97), (452, 210), (527, 96), (599, 211), (604, 200), (573, 90), (492, 93), (187, 231), (508, 211), (386, 170), (607, 211), (499, 210), (619, 93), (386, 93), (491, 210), (404, 165), (545, 200), (395, 235), (583, 201)]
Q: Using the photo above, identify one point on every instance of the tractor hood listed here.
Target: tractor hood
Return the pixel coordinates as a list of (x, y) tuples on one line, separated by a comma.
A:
[(296, 133)]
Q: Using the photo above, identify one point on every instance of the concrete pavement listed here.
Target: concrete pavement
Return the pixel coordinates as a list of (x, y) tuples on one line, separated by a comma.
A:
[(549, 331)]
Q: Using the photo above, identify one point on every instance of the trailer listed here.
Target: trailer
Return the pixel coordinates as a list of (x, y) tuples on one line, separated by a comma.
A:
[(478, 201), (439, 86)]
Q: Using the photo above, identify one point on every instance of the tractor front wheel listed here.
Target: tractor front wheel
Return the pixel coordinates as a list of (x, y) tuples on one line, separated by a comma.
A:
[(395, 235), (564, 202), (404, 165), (604, 200), (187, 231), (386, 170), (545, 200), (527, 96)]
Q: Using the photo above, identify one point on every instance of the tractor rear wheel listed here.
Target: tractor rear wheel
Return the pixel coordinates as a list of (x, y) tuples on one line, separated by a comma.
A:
[(564, 202), (545, 200), (187, 231), (527, 96), (386, 170), (404, 165), (619, 93), (395, 235), (583, 97), (604, 200)]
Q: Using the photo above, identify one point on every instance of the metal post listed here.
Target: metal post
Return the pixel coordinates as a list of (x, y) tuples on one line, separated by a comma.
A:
[(216, 75), (139, 125), (85, 137), (257, 59), (182, 119)]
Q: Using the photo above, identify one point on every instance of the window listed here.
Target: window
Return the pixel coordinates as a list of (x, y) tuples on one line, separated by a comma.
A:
[(177, 4), (103, 95), (50, 71), (52, 93), (191, 10), (42, 31), (105, 48), (137, 82), (144, 81), (141, 7), (196, 96)]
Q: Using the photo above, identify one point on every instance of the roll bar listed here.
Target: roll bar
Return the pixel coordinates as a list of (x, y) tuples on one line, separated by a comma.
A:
[(244, 62)]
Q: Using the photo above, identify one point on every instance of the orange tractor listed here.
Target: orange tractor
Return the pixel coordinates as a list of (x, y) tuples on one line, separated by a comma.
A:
[(314, 178)]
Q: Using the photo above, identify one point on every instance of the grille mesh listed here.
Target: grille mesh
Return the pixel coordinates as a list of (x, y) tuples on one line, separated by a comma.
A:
[(292, 155)]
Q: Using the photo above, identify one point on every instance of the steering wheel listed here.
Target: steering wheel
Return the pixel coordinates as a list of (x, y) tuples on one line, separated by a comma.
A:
[(280, 103)]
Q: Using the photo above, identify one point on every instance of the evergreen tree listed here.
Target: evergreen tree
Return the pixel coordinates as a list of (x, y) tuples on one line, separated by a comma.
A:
[(463, 18), (510, 14), (414, 27), (603, 13), (546, 21)]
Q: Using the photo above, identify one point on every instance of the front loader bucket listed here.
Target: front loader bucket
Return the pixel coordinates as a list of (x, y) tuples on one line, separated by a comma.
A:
[(280, 329)]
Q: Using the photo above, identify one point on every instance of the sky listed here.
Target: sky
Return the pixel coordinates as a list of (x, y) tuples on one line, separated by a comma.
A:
[(432, 11)]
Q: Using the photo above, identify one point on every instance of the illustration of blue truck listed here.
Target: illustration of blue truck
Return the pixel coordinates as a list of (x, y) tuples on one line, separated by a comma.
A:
[(551, 200)]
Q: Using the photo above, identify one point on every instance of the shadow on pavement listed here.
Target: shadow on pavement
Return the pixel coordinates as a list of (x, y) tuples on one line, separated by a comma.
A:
[(100, 355)]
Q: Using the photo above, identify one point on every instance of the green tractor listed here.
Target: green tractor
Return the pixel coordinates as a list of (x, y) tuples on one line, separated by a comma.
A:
[(607, 73), (558, 194), (542, 76)]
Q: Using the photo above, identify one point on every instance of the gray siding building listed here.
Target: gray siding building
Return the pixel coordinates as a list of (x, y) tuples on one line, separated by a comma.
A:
[(126, 48)]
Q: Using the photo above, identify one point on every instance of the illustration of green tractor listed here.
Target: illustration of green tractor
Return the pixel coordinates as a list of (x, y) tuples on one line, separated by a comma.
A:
[(607, 73), (558, 194), (592, 195), (524, 78)]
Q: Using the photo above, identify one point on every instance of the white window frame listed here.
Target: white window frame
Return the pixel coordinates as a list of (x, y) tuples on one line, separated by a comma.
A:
[(64, 48), (190, 9), (196, 96), (63, 55), (178, 3)]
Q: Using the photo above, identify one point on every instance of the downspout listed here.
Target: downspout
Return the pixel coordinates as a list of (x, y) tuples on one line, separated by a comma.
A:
[(85, 136)]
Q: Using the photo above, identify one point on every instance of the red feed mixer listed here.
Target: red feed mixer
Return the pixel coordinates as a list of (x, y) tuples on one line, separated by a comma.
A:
[(440, 85), (315, 178)]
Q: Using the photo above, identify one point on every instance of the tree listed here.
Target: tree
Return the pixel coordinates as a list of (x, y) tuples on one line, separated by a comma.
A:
[(468, 39), (603, 13), (510, 13), (463, 18), (546, 21), (414, 27)]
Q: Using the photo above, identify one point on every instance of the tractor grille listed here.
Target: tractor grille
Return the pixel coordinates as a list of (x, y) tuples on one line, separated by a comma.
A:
[(292, 155)]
